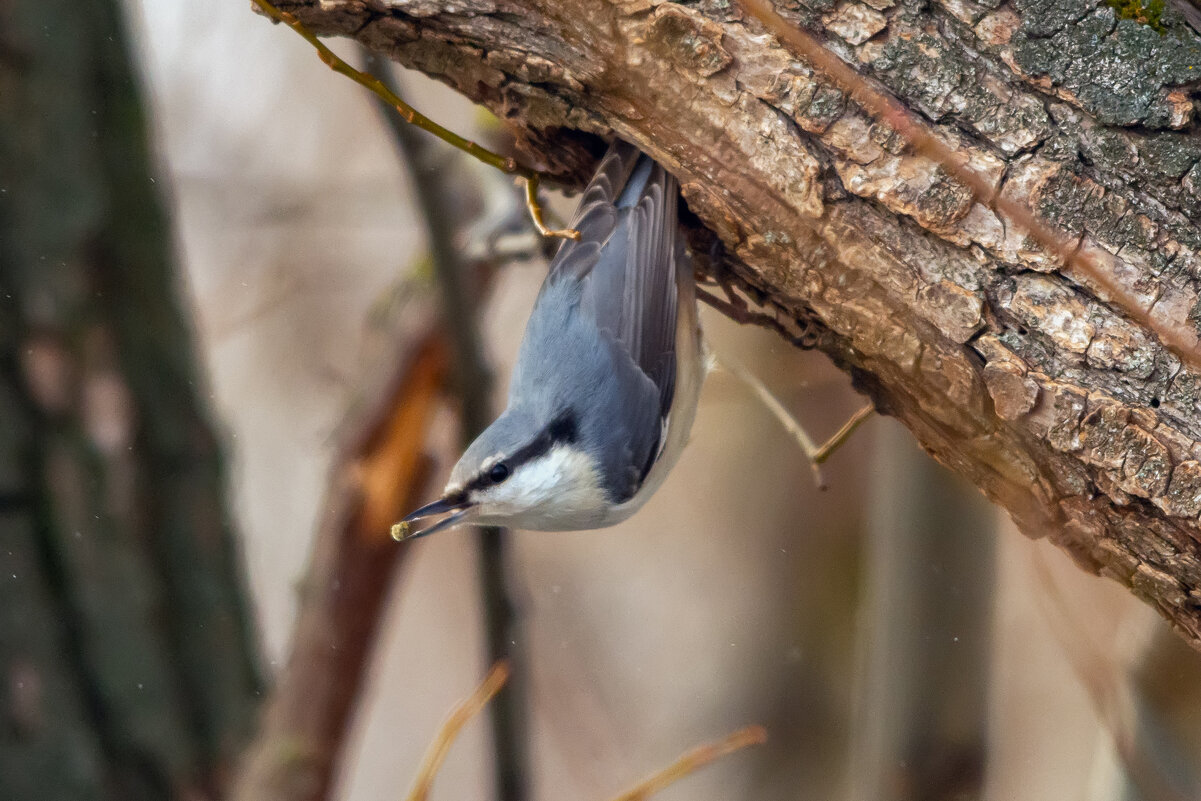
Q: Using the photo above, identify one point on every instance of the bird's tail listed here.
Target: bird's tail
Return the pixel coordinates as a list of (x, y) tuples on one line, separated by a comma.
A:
[(636, 183)]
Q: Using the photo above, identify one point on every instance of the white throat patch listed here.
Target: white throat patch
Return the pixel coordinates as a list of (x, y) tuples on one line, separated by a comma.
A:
[(558, 491)]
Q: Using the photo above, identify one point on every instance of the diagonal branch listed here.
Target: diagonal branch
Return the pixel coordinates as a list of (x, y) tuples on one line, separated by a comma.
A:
[(956, 164), (1066, 393), (381, 473)]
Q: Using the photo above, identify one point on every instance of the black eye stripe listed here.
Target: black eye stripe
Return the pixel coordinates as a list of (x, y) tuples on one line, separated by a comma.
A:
[(561, 430)]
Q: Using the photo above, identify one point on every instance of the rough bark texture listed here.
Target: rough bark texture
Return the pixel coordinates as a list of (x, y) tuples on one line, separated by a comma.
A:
[(1042, 393), (127, 667)]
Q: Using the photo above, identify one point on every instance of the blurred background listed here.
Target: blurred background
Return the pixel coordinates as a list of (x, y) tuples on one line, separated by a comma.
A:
[(895, 635)]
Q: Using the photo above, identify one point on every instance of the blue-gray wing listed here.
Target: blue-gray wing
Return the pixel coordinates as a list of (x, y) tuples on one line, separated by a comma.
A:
[(625, 268), (627, 261)]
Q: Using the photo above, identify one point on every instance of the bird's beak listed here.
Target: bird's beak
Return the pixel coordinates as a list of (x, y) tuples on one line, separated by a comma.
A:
[(456, 510)]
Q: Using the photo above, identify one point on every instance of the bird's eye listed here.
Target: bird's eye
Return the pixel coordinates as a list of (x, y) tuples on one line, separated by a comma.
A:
[(498, 473)]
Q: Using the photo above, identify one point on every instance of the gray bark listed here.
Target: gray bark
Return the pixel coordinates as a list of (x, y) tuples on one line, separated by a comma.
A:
[(1051, 399), (127, 669)]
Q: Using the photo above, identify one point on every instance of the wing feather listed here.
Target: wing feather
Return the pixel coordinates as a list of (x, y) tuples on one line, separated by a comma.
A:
[(627, 259), (616, 289)]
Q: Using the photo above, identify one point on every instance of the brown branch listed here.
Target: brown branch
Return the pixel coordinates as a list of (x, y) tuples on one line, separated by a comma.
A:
[(473, 384), (985, 191), (381, 474), (1078, 415)]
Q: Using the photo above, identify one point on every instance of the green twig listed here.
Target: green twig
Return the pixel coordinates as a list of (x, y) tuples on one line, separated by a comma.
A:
[(505, 164)]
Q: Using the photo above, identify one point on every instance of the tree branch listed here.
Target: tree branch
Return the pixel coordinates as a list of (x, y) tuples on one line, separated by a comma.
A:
[(1056, 397), (380, 474), (473, 381)]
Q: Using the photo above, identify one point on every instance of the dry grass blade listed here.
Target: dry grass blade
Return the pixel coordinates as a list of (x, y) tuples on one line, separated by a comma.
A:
[(693, 760), (470, 707), (925, 142), (459, 718)]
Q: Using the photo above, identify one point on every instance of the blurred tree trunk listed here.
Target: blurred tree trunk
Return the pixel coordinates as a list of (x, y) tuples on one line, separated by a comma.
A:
[(925, 633), (1009, 368), (127, 664), (1165, 733)]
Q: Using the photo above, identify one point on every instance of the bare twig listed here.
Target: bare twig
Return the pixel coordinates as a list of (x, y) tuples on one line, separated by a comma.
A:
[(474, 383), (693, 760), (470, 707), (817, 455), (380, 475), (843, 434), (744, 316), (505, 164), (459, 717), (923, 140), (782, 415)]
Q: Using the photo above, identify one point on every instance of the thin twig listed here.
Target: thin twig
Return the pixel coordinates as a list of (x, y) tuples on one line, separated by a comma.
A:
[(781, 414), (471, 706), (843, 434), (925, 142), (817, 455), (744, 316), (459, 717), (474, 383), (535, 208), (505, 164), (693, 760)]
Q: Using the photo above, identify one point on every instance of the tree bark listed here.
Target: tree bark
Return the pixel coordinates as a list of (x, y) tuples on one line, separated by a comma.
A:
[(127, 663), (1049, 397)]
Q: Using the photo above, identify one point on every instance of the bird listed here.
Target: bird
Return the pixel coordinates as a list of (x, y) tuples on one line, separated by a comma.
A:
[(608, 375)]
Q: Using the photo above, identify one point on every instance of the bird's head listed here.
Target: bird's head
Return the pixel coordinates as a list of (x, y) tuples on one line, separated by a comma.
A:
[(521, 472)]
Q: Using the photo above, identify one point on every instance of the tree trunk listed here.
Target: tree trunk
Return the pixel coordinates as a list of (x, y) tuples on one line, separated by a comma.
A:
[(1053, 400), (921, 725), (127, 667)]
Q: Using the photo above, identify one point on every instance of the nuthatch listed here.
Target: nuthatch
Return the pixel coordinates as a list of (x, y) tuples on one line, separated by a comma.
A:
[(607, 379)]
